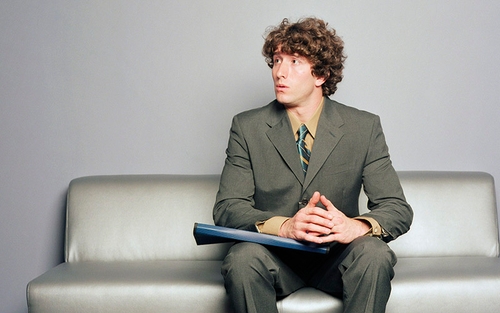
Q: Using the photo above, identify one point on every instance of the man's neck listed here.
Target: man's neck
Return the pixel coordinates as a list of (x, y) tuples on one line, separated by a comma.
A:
[(306, 112)]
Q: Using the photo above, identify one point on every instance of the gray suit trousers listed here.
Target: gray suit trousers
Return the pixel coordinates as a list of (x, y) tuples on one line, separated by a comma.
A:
[(360, 273)]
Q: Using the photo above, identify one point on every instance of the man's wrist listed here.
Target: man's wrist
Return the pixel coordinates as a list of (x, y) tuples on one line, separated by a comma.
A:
[(375, 228), (271, 226)]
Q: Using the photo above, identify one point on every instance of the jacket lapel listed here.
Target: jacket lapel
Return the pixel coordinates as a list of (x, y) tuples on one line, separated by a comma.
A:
[(328, 135), (280, 134)]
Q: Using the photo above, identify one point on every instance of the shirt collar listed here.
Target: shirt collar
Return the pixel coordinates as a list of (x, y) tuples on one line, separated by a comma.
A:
[(311, 125)]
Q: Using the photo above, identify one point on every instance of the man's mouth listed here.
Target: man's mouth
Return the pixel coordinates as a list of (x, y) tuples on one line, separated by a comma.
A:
[(281, 87)]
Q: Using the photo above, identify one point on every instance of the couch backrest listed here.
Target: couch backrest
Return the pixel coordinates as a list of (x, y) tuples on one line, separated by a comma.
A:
[(139, 217), (151, 217), (455, 214)]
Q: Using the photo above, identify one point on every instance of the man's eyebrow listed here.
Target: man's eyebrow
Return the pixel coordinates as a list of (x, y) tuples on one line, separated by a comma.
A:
[(294, 54)]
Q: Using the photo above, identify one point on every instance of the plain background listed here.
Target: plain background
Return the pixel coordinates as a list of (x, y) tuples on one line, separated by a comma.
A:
[(148, 87)]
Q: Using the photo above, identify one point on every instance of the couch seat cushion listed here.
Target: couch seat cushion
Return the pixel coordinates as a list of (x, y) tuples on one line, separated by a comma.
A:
[(158, 286), (447, 284)]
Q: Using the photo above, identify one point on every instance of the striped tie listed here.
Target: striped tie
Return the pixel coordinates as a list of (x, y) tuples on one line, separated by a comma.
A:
[(304, 152)]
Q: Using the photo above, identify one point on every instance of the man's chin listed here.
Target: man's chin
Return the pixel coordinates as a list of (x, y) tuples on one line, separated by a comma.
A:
[(283, 100)]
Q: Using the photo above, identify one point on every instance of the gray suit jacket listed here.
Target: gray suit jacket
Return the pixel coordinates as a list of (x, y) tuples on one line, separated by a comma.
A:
[(262, 175)]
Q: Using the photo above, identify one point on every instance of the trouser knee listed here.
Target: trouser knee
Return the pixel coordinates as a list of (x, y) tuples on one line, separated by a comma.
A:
[(245, 262), (371, 253)]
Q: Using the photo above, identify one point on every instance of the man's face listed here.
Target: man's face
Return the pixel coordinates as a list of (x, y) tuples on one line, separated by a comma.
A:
[(294, 83)]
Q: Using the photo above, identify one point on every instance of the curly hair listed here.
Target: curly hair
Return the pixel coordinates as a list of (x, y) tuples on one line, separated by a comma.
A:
[(314, 40)]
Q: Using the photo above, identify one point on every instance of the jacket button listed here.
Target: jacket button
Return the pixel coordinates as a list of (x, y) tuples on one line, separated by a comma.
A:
[(303, 202)]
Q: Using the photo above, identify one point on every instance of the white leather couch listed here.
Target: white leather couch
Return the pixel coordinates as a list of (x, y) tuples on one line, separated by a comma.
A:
[(129, 248)]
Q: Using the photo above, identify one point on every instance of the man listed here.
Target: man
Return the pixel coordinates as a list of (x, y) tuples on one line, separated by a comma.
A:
[(295, 168)]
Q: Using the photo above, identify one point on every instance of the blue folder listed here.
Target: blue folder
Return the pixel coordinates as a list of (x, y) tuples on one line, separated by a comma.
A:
[(209, 234)]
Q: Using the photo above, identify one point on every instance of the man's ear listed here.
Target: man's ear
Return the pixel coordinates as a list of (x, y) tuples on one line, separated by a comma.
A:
[(320, 81)]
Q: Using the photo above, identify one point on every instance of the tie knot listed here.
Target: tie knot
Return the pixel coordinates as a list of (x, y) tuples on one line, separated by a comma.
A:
[(302, 131)]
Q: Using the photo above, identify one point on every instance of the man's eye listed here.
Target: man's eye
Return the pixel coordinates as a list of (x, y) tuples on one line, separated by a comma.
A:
[(276, 61)]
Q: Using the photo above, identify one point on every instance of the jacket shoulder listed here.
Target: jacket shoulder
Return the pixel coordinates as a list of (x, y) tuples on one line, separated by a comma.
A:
[(349, 113), (270, 112)]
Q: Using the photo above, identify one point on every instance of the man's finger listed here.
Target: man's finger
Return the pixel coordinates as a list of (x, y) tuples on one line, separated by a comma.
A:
[(314, 199), (328, 204)]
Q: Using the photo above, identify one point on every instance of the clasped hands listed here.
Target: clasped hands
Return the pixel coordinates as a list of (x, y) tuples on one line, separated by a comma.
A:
[(317, 225)]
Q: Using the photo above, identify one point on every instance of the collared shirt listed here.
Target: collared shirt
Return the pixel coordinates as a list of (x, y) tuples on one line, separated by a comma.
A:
[(312, 125), (273, 225)]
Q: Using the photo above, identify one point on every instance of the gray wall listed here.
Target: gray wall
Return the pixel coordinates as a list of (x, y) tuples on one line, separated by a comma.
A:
[(113, 87)]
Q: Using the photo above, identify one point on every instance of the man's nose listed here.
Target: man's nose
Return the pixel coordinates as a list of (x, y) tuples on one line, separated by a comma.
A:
[(282, 71)]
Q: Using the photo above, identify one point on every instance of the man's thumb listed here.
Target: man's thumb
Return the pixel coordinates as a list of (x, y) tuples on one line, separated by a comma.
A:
[(314, 199)]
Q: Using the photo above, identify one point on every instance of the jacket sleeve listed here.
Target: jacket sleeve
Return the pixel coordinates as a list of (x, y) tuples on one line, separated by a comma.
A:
[(386, 200), (234, 205)]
